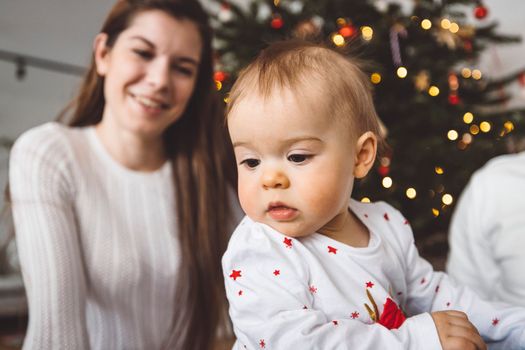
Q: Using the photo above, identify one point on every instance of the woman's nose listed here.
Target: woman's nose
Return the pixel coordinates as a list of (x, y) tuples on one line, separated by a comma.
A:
[(158, 74), (275, 179)]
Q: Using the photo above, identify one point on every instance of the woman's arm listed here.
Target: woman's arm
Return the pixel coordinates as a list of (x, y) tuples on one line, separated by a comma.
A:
[(48, 242)]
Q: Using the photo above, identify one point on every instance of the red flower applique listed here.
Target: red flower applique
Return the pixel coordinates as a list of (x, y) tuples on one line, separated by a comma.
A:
[(392, 316)]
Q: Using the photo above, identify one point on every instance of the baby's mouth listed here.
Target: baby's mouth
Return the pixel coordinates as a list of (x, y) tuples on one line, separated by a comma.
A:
[(280, 211)]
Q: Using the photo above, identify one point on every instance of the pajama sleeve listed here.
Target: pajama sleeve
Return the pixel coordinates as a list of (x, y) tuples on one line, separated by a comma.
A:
[(429, 291), (272, 304), (48, 243)]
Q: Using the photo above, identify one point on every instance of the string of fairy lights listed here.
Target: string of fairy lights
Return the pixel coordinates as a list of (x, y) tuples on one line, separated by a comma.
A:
[(447, 33)]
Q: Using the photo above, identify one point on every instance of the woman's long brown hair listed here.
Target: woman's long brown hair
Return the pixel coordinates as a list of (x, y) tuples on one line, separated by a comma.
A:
[(203, 169)]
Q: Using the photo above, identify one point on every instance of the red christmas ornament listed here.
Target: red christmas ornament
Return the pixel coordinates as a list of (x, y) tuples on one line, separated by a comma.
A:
[(453, 99), (467, 44), (481, 11), (383, 170), (347, 31), (521, 79), (220, 76), (277, 22)]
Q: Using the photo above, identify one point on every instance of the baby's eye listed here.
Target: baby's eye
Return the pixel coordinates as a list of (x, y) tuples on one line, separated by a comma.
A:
[(251, 162), (298, 158)]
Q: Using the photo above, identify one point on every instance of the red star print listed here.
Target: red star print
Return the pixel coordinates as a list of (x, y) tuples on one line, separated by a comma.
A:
[(313, 289), (366, 215), (399, 293), (235, 274), (495, 321), (262, 344), (305, 307), (332, 250), (448, 304), (423, 280), (335, 323), (437, 289), (277, 272), (369, 284), (386, 217), (355, 315), (240, 292), (406, 222), (288, 242)]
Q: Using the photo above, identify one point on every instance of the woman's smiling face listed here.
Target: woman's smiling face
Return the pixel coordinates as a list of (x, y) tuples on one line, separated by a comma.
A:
[(150, 72)]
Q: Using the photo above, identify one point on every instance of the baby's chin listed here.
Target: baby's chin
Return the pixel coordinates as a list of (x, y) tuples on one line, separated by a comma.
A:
[(289, 229)]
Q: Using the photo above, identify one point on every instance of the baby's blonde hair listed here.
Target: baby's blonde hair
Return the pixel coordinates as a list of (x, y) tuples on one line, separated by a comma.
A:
[(343, 88)]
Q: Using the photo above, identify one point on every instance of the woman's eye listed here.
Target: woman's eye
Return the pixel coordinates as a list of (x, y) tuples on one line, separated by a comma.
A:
[(143, 54), (183, 70), (251, 163), (298, 158)]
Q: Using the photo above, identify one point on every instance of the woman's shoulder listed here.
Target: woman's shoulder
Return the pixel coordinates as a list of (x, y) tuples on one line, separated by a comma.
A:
[(47, 133), (50, 139)]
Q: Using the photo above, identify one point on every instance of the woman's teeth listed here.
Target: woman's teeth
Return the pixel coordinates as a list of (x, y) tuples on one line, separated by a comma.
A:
[(149, 102)]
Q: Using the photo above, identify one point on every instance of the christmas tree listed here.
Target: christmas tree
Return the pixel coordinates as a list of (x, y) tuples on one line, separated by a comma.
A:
[(443, 117)]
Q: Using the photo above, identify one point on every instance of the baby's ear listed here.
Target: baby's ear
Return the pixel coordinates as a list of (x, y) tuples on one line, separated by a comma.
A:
[(365, 154)]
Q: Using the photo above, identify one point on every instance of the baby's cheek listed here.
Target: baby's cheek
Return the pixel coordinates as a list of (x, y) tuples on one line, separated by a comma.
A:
[(328, 199), (325, 205), (248, 200)]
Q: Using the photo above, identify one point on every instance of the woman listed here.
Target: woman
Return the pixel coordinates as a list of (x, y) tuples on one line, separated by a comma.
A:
[(121, 217)]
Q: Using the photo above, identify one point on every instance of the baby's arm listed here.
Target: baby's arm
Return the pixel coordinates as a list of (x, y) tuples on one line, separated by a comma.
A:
[(272, 303), (430, 291)]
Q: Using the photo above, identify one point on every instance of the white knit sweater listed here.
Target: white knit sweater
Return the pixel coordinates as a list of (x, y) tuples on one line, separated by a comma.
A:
[(97, 243)]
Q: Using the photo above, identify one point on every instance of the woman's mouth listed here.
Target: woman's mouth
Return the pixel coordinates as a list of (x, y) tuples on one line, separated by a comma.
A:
[(149, 102)]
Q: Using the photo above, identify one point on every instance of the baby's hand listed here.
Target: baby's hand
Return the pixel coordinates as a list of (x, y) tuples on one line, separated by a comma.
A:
[(456, 332)]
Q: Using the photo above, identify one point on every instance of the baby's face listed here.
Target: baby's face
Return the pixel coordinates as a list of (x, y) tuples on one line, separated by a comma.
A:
[(295, 165)]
